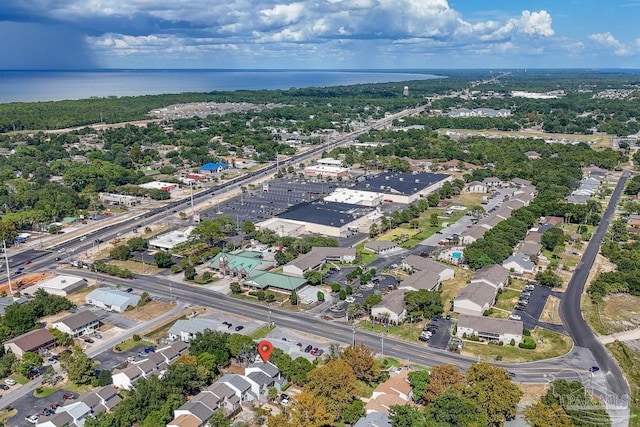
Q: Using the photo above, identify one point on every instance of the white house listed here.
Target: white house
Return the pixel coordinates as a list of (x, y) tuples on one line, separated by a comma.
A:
[(392, 308), (380, 247), (475, 298), (112, 299), (494, 274), (490, 329), (245, 389), (421, 280), (414, 263), (492, 182), (186, 329), (476, 187), (519, 263), (78, 324)]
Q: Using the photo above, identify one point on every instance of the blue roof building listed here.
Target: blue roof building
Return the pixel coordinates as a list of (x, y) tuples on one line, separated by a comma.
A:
[(210, 168)]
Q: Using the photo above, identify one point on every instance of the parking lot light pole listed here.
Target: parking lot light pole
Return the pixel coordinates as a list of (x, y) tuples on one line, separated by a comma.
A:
[(354, 334), (6, 263)]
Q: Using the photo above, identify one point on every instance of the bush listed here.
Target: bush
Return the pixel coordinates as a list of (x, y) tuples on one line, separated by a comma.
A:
[(464, 335), (512, 343), (528, 344), (342, 294), (526, 332), (335, 287), (136, 337), (320, 295)]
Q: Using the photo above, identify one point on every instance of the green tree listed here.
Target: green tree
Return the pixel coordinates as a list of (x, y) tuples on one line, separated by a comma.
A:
[(248, 227), (320, 296), (137, 244), (78, 366), (62, 338), (293, 298), (190, 272), (451, 409), (541, 415), (418, 380), (423, 303), (104, 378), (362, 361), (219, 419), (235, 287), (30, 361), (335, 384), (354, 412), (548, 278), (314, 277), (212, 342), (406, 416), (239, 344), (121, 252), (162, 259), (552, 237)]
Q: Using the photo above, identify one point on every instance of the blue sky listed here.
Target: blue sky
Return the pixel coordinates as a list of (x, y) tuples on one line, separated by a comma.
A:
[(319, 34)]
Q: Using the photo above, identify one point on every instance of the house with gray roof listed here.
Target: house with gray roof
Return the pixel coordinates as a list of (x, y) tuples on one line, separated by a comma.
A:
[(112, 299), (201, 407), (492, 182), (520, 182), (530, 248), (475, 298), (476, 187), (420, 280), (374, 419), (494, 274), (392, 308), (268, 369), (78, 324), (472, 234), (244, 388), (152, 365), (316, 258), (519, 263), (102, 399), (60, 419), (490, 329), (380, 247), (417, 263)]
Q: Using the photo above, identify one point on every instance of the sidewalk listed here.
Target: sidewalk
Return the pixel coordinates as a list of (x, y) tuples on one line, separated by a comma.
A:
[(633, 334)]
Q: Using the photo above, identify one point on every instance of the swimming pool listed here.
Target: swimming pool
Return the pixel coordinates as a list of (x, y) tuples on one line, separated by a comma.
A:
[(456, 255)]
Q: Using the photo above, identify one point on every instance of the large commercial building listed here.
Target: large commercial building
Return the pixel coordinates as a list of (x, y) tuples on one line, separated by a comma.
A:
[(330, 218), (404, 187)]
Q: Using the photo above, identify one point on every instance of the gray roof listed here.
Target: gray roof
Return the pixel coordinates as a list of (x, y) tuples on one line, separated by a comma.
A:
[(221, 390), (393, 301), (113, 297), (477, 231), (193, 326), (374, 419), (268, 368), (521, 182), (379, 245), (332, 214), (59, 420), (260, 378), (174, 350), (198, 409), (490, 324), (235, 380), (520, 259), (472, 183), (318, 254), (400, 183), (208, 399), (421, 280), (494, 274), (425, 264), (530, 248), (479, 293), (79, 319)]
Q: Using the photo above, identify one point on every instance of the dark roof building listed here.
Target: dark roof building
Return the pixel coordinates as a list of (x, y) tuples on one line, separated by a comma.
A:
[(404, 187)]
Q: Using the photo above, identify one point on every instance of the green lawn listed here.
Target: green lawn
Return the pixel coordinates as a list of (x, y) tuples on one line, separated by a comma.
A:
[(44, 391), (507, 300), (261, 332), (365, 256), (19, 379), (131, 343)]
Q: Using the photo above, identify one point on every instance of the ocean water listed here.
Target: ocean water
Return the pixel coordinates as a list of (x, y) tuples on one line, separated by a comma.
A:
[(30, 86)]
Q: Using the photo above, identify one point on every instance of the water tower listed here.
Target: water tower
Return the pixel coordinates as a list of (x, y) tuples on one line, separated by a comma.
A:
[(405, 91)]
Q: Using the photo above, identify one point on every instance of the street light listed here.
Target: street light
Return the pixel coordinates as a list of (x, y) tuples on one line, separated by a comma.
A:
[(353, 328), (6, 262)]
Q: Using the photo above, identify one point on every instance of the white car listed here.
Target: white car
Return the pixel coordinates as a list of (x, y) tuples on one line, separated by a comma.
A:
[(515, 317), (32, 419), (350, 300), (10, 382)]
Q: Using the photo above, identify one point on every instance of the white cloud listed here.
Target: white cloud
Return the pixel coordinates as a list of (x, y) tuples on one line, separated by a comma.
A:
[(608, 41)]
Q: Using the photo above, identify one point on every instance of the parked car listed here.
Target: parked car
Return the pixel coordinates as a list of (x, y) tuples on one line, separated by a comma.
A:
[(89, 340), (54, 405), (239, 328), (10, 382), (515, 317), (129, 290), (314, 351), (4, 387), (319, 352), (27, 262), (149, 350), (308, 348), (98, 336), (69, 396), (32, 418), (142, 354), (511, 374), (594, 369)]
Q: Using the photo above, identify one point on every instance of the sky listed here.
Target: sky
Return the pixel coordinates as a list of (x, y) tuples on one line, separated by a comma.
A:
[(319, 34)]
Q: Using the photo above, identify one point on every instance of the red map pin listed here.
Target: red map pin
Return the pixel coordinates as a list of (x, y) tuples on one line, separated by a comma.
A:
[(265, 348)]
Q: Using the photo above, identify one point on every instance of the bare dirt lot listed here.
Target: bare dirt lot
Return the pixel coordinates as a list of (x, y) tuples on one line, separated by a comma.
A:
[(550, 312), (149, 311)]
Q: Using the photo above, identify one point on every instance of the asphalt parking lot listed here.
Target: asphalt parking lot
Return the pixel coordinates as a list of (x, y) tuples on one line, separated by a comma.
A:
[(29, 405), (531, 313), (110, 360), (257, 205)]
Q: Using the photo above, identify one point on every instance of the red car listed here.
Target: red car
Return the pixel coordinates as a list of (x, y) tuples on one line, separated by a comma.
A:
[(314, 351), (54, 405), (27, 262)]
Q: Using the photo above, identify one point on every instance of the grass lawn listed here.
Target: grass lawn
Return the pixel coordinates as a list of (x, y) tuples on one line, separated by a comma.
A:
[(366, 256), (363, 389), (130, 343), (629, 362), (388, 362), (261, 332), (450, 288), (554, 345), (44, 391), (621, 312), (19, 379), (137, 267), (590, 312), (517, 284), (507, 299), (77, 389), (406, 331), (6, 415)]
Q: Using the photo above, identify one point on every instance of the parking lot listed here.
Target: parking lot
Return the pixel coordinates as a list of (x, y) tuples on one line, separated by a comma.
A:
[(440, 333), (532, 311), (30, 405), (256, 205)]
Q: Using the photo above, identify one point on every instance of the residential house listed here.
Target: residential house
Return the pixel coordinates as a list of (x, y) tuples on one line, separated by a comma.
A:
[(414, 263), (494, 274), (316, 258), (78, 324), (269, 370), (245, 389), (420, 280), (490, 329), (211, 168), (391, 309), (380, 247), (533, 237), (530, 248), (533, 155), (520, 182), (102, 399), (374, 419), (492, 182), (38, 341), (472, 234), (475, 298), (201, 407), (62, 419), (476, 187), (112, 299), (395, 391), (126, 378), (67, 415), (519, 263)]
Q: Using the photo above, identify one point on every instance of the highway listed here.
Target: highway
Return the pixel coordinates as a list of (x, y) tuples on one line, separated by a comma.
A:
[(617, 389)]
